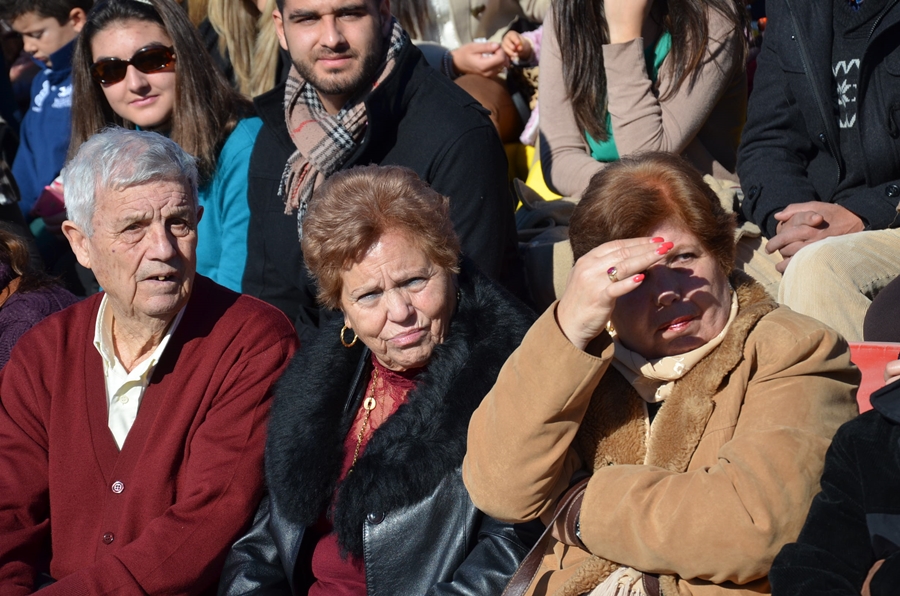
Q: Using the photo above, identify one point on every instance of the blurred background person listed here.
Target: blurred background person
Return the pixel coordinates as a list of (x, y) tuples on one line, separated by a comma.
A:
[(27, 295), (48, 29), (462, 38), (240, 37), (619, 77)]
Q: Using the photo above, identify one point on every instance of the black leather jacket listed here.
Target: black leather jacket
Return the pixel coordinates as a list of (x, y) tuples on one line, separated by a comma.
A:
[(404, 509)]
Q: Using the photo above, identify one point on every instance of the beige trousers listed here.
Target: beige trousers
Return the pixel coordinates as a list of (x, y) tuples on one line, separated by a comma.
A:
[(835, 279)]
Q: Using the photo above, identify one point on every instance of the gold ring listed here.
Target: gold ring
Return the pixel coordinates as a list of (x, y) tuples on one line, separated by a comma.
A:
[(611, 272)]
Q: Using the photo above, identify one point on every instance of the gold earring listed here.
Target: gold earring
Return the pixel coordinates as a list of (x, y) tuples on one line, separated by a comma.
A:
[(344, 341), (609, 328)]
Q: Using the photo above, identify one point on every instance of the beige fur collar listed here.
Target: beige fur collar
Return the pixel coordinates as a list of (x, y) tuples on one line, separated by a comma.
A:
[(614, 428)]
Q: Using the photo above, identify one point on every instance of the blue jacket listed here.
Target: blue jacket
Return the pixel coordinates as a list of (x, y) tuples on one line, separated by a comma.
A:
[(222, 231), (46, 128)]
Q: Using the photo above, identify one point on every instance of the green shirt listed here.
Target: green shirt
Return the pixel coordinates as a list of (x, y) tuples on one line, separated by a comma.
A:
[(606, 150)]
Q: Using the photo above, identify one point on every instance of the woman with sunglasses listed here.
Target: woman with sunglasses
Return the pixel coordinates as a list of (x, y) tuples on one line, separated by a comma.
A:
[(140, 64)]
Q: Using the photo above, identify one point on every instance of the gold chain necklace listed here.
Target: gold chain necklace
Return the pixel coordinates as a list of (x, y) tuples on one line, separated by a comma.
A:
[(368, 405)]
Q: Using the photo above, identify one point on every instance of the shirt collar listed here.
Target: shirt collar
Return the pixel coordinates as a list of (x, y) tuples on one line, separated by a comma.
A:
[(103, 340)]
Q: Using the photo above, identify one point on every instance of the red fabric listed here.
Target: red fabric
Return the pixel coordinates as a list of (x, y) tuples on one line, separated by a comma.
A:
[(335, 575), (190, 469)]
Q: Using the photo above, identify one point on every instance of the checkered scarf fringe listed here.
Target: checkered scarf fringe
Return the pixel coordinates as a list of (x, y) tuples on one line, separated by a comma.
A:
[(324, 142)]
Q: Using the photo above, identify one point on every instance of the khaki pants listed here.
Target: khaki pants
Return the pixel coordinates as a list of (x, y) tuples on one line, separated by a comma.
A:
[(835, 279)]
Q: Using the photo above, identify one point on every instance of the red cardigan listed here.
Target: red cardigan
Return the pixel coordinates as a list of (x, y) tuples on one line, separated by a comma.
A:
[(159, 516)]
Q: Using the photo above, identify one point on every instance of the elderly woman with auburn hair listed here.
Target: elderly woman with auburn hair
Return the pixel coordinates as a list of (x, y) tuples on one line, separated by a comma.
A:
[(699, 409), (369, 424)]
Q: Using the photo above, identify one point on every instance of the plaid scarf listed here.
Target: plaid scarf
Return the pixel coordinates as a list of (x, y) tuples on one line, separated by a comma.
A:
[(324, 142)]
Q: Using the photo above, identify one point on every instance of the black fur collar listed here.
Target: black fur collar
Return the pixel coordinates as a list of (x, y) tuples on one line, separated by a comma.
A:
[(417, 447)]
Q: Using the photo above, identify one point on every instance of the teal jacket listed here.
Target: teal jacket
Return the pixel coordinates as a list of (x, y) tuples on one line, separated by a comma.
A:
[(222, 231)]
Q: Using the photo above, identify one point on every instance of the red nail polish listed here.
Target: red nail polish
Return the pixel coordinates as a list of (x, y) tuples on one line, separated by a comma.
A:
[(638, 278), (664, 248), (656, 240)]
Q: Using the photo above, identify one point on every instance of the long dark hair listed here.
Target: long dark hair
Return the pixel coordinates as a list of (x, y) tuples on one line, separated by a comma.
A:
[(206, 107), (580, 28)]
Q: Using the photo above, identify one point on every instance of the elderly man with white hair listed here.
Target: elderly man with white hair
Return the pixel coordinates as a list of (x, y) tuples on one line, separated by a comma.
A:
[(132, 424)]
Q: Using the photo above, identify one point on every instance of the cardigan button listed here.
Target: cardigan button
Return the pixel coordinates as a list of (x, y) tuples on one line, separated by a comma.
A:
[(108, 538), (375, 518), (892, 190), (118, 486)]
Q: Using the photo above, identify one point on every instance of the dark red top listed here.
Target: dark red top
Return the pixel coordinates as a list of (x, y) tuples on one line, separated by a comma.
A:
[(335, 575)]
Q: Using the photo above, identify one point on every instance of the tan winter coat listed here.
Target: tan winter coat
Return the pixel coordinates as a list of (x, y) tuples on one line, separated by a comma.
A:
[(725, 478)]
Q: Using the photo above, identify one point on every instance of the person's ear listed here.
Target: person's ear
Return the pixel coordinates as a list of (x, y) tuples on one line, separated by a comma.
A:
[(78, 18), (384, 10), (199, 213), (279, 29), (78, 240)]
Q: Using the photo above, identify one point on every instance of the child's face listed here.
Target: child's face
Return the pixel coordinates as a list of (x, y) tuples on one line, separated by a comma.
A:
[(44, 35)]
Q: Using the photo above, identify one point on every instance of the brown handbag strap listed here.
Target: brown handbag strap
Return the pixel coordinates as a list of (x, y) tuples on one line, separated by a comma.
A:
[(651, 584), (528, 569)]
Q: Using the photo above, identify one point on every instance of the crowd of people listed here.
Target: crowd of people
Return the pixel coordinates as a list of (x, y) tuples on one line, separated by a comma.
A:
[(267, 325)]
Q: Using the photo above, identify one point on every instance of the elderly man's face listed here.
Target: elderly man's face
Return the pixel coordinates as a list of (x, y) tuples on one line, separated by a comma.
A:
[(143, 251)]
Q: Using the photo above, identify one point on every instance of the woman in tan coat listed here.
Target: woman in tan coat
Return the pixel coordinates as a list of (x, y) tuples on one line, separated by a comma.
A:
[(701, 409)]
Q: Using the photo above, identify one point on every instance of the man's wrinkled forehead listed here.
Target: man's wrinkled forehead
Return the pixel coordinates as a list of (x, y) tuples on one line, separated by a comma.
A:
[(123, 181)]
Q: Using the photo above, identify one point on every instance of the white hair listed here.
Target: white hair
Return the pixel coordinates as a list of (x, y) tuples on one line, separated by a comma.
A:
[(116, 159)]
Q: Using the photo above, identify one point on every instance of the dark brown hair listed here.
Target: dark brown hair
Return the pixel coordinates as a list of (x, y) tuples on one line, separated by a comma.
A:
[(15, 253), (355, 207), (581, 30), (10, 10), (631, 197), (206, 107)]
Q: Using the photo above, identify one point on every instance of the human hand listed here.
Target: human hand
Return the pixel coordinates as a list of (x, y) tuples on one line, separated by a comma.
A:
[(516, 47), (590, 295), (891, 372), (801, 224), (625, 18), (866, 588), (482, 58)]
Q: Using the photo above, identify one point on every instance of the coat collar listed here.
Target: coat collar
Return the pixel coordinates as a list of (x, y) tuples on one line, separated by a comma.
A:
[(427, 435), (615, 429), (887, 401)]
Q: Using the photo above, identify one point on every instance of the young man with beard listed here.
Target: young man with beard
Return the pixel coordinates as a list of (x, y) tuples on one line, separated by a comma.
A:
[(360, 93)]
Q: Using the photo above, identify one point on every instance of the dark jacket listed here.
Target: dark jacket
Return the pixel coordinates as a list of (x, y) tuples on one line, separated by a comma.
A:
[(404, 509), (790, 152), (855, 520), (418, 119), (44, 133)]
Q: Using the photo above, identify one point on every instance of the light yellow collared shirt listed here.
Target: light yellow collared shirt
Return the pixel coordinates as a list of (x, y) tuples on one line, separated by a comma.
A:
[(124, 390)]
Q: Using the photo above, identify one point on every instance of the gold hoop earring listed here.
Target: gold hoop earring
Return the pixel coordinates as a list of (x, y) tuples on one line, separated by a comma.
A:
[(344, 341), (609, 328)]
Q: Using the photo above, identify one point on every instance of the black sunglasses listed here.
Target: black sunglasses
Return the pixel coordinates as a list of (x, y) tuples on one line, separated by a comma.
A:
[(150, 59)]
